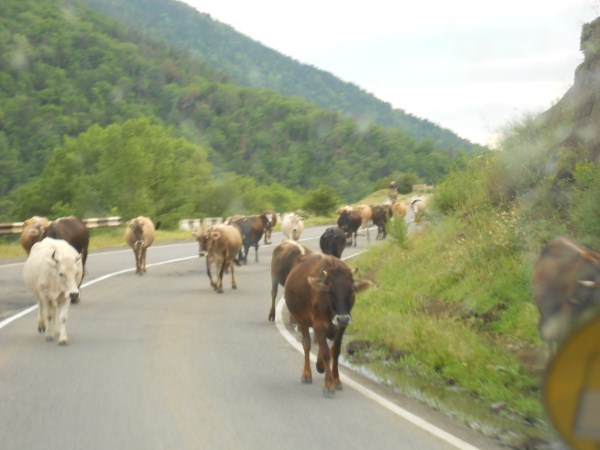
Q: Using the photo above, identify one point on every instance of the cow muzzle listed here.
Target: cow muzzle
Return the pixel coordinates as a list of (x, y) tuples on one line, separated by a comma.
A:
[(342, 320), (74, 296)]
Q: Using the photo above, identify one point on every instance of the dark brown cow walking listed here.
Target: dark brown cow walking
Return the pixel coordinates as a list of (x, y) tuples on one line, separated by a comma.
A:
[(73, 230), (284, 258), (251, 229), (566, 283), (349, 221), (320, 292)]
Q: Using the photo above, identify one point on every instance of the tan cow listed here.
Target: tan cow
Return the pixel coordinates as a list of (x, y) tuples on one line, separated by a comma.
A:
[(398, 210), (221, 244), (366, 215), (53, 272), (139, 235), (33, 231)]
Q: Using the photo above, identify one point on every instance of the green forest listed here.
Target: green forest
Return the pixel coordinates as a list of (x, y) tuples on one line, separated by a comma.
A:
[(251, 64), (99, 119)]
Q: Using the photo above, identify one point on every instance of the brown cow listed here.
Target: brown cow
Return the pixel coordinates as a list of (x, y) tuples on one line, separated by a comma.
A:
[(33, 231), (349, 221), (379, 217), (566, 283), (139, 235), (73, 230), (319, 293), (284, 257), (221, 243), (271, 223)]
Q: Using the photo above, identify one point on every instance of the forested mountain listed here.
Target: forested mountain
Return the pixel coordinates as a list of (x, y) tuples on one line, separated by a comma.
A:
[(252, 64), (69, 76)]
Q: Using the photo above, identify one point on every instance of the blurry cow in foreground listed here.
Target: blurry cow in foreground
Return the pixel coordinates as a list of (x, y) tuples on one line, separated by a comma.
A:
[(320, 292), (53, 272), (566, 284)]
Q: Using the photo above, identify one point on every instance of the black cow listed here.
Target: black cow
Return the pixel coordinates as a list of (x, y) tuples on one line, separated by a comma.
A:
[(333, 241)]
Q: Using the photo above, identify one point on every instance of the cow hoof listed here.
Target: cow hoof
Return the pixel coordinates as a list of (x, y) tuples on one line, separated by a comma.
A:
[(338, 387), (320, 367), (233, 287), (306, 380), (63, 342), (41, 330), (328, 392)]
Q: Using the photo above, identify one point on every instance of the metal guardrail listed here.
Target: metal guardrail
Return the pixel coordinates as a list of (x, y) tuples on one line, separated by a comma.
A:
[(17, 227)]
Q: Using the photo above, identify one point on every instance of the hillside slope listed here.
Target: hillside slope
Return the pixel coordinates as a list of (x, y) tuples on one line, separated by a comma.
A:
[(576, 116), (252, 64)]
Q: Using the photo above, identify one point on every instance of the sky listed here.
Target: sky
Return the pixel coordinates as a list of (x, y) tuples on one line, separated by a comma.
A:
[(472, 66)]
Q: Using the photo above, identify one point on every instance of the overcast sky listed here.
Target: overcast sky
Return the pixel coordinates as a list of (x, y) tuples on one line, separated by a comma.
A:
[(472, 66)]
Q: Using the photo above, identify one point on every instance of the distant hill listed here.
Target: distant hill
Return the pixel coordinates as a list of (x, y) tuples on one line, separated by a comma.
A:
[(252, 64)]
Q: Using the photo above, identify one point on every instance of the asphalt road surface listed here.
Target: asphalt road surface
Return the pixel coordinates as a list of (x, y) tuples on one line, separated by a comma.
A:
[(161, 361)]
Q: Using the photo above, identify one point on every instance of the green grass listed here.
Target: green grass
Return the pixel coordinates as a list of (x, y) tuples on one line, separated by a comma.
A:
[(451, 309)]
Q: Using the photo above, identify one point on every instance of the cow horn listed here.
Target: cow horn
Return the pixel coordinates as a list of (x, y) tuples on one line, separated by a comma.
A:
[(588, 283)]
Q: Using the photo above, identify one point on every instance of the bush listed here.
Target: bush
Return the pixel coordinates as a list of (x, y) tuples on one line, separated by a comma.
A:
[(321, 201)]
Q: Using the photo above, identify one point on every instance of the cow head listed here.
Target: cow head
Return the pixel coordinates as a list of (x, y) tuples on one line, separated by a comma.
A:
[(202, 236), (69, 271), (340, 289)]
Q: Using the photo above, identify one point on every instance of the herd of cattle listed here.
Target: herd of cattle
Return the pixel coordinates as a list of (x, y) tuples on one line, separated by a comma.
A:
[(319, 287)]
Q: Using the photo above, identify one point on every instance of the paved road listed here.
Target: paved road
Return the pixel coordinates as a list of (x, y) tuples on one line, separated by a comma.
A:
[(161, 361)]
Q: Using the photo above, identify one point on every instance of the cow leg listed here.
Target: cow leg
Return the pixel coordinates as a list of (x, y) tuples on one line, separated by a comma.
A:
[(256, 253), (143, 261), (63, 316), (208, 263), (274, 286), (220, 276), (325, 358), (233, 283), (306, 373), (42, 325), (335, 350), (51, 320)]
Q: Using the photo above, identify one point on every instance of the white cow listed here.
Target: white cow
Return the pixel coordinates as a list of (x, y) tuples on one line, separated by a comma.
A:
[(53, 272), (292, 226)]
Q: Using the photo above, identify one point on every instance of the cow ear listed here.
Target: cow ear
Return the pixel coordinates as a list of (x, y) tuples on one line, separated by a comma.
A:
[(320, 282), (362, 285), (588, 283), (215, 235)]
